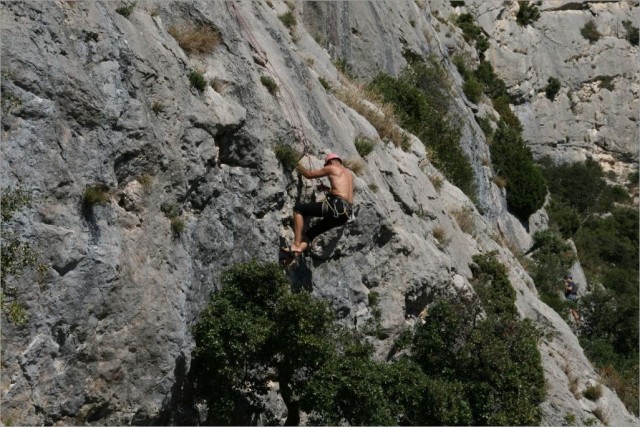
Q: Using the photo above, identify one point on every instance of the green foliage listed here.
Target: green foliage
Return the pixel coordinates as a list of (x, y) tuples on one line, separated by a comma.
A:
[(126, 10), (172, 211), (325, 83), (16, 256), (197, 80), (12, 201), (485, 125), (632, 34), (288, 19), (493, 287), (270, 84), (590, 31), (494, 362), (581, 186), (493, 85), (471, 31), (364, 145), (287, 156), (461, 368), (527, 14), (95, 195), (9, 102), (473, 89), (584, 206), (553, 86), (254, 325), (503, 107), (421, 101), (512, 159), (456, 3), (553, 258)]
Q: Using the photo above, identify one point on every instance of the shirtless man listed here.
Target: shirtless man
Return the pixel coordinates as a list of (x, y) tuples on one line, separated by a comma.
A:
[(335, 210)]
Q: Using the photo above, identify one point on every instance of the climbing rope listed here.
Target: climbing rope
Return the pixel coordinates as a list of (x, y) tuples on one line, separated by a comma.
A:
[(255, 46)]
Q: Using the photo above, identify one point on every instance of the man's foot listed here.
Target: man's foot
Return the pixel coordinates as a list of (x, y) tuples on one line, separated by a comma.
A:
[(294, 250)]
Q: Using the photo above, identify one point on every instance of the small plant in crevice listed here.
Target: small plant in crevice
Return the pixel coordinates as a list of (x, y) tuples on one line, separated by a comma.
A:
[(593, 392), (270, 84), (632, 33), (590, 31), (325, 83), (195, 38), (126, 10), (173, 211), (197, 80), (287, 155), (288, 19), (527, 14), (95, 195), (364, 145), (373, 187), (158, 107), (553, 86)]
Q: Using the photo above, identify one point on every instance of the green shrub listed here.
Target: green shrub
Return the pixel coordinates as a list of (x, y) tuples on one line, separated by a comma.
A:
[(473, 89), (527, 14), (325, 83), (503, 107), (126, 10), (495, 359), (270, 84), (493, 85), (485, 125), (632, 33), (590, 32), (170, 209), (95, 195), (456, 3), (553, 86), (197, 80), (288, 19), (471, 31), (364, 145), (287, 156), (421, 100), (593, 393), (512, 159), (177, 225)]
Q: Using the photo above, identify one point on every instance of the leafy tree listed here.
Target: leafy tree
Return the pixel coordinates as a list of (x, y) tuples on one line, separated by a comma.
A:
[(512, 159), (253, 330)]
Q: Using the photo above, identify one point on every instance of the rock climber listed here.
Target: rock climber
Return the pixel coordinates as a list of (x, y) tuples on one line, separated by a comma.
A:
[(571, 294), (335, 209)]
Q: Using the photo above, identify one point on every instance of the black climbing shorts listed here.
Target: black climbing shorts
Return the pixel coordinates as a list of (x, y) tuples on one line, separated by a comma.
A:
[(334, 212)]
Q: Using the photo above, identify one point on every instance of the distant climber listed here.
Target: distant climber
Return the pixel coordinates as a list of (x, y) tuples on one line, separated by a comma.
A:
[(571, 294), (335, 210)]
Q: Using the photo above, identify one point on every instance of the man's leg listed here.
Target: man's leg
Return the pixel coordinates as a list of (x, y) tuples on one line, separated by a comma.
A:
[(298, 227)]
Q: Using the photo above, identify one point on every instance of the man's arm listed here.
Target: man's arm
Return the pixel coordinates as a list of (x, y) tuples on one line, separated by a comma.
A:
[(317, 173)]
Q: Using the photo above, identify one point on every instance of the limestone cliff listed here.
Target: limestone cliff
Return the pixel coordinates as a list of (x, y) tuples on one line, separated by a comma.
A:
[(96, 99)]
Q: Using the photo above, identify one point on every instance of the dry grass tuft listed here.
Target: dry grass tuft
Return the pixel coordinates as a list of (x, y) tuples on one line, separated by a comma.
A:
[(440, 234), (464, 218), (356, 165), (196, 39), (378, 113)]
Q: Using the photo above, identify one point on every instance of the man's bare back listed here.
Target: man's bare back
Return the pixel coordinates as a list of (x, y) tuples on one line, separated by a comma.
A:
[(340, 178)]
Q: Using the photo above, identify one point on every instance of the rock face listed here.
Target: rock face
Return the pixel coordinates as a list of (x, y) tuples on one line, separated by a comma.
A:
[(595, 113), (95, 98)]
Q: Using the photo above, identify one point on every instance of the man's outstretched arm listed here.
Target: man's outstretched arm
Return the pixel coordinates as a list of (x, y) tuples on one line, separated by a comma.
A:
[(317, 173)]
